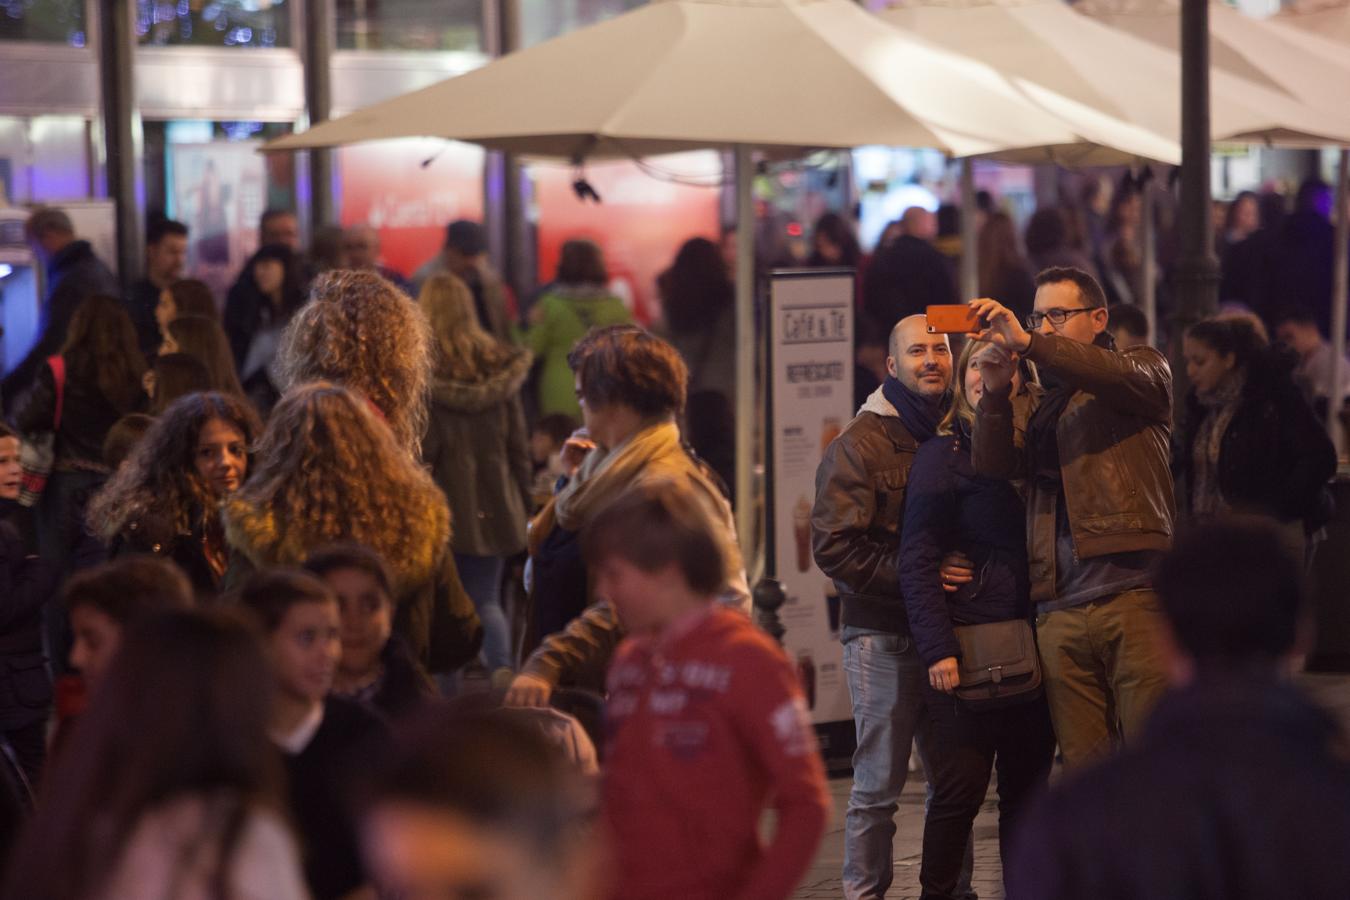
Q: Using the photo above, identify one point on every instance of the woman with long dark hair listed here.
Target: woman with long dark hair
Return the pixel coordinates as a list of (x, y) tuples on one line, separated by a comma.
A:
[(833, 243), (478, 450), (269, 291), (165, 499), (185, 297), (202, 337), (174, 375), (168, 785), (103, 366)]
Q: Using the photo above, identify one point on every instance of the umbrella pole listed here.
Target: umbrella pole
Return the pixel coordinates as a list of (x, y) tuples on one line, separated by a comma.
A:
[(1340, 287), (745, 354), (970, 279), (1150, 258)]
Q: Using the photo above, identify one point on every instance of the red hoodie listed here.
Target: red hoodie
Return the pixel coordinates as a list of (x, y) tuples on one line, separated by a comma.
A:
[(707, 727)]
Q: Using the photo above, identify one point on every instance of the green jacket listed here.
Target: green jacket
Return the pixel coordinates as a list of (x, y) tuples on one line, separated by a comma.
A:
[(563, 316)]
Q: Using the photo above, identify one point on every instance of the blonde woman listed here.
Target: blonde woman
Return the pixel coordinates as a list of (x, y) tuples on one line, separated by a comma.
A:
[(329, 470), (360, 331), (948, 507), (478, 449)]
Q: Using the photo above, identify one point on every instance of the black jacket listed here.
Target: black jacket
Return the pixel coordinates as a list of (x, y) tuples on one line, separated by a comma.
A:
[(25, 585), (856, 519), (156, 534), (948, 507), (73, 275), (1237, 789), (141, 301), (1275, 457), (904, 279)]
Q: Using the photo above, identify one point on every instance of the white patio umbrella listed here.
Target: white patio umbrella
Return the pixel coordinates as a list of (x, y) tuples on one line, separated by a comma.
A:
[(1046, 43), (1329, 21), (778, 75), (1308, 66)]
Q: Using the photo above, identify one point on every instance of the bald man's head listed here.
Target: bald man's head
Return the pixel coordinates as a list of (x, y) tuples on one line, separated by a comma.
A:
[(920, 361), (920, 223), (361, 246)]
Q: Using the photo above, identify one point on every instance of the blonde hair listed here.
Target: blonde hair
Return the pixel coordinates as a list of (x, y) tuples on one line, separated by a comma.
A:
[(961, 408), (362, 332), (329, 470), (463, 351)]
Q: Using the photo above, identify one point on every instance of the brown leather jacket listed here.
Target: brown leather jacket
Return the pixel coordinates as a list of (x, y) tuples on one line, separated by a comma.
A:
[(1113, 448)]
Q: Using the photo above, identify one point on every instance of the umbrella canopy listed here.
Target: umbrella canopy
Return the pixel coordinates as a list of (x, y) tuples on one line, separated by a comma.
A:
[(1304, 66), (1047, 44), (773, 74), (1330, 23)]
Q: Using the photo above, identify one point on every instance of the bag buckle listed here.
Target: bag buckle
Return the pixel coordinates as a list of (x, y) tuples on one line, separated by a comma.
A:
[(995, 674)]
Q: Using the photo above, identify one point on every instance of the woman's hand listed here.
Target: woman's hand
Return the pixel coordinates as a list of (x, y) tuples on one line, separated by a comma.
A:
[(528, 690), (944, 675), (957, 569), (1004, 330), (997, 367)]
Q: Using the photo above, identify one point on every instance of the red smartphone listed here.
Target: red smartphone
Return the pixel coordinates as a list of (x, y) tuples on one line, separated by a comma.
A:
[(953, 319)]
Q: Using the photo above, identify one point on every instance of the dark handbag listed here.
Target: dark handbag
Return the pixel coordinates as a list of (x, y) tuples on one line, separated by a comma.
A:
[(999, 665)]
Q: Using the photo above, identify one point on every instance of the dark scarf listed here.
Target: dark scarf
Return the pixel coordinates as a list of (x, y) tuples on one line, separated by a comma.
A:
[(919, 416), (1042, 439)]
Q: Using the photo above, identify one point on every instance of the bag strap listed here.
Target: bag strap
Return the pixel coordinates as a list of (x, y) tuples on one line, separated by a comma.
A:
[(58, 367)]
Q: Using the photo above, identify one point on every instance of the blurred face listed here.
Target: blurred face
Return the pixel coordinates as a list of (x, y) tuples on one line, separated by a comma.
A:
[(921, 361), (269, 274), (1302, 339), (221, 458), (1125, 338), (97, 636), (420, 853), (645, 601), (361, 247), (10, 470), (165, 310), (1082, 324), (282, 229), (1247, 216), (366, 612), (166, 260), (305, 650), (974, 384), (828, 250), (1206, 368), (541, 447)]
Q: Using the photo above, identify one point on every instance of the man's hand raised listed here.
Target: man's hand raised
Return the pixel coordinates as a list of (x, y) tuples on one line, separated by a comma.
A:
[(1003, 330), (997, 367)]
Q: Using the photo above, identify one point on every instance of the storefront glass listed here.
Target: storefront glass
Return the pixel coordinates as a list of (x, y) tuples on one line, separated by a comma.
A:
[(213, 23), (48, 21), (410, 25), (545, 19)]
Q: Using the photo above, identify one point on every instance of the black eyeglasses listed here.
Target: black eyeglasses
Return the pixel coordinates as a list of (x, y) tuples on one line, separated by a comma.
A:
[(1056, 316)]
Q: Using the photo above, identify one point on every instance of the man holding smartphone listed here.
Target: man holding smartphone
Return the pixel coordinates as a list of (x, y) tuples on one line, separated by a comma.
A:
[(1100, 507)]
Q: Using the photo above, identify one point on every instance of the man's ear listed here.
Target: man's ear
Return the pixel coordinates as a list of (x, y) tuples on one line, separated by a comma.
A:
[(891, 370), (1100, 316)]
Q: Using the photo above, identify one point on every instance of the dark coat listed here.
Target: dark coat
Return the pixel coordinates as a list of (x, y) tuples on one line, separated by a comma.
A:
[(948, 507), (141, 301), (1275, 457), (25, 585), (1298, 271), (478, 451), (1236, 790), (73, 275), (154, 533), (904, 279), (86, 417)]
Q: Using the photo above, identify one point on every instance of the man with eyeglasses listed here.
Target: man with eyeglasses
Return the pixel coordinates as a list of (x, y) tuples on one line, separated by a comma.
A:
[(1100, 507)]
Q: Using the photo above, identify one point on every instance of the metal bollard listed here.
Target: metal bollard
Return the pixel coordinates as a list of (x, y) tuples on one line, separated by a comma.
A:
[(769, 598)]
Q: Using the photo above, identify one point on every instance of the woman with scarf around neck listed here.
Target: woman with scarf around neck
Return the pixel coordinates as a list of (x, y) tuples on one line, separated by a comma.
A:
[(949, 507), (1250, 443), (632, 386)]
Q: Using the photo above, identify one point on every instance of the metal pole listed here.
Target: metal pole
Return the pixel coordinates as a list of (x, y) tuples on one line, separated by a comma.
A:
[(517, 255), (318, 105), (1197, 269), (1149, 301), (116, 58), (970, 260), (1340, 289), (745, 354)]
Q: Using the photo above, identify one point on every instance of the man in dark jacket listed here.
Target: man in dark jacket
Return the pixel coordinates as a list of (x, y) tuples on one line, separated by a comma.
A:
[(1238, 786), (909, 274), (855, 532), (1100, 505), (166, 245), (73, 273)]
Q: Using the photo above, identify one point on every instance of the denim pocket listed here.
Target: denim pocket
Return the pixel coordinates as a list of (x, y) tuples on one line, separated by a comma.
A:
[(892, 644)]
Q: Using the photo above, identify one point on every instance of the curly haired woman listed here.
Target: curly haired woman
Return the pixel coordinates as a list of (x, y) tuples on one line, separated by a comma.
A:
[(360, 331), (478, 449), (165, 499), (328, 471)]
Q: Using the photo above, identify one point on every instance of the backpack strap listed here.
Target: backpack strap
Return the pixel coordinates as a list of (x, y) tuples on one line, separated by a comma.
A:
[(58, 367)]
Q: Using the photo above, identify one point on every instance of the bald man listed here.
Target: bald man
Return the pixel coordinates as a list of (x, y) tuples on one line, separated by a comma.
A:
[(855, 531), (361, 247), (909, 274)]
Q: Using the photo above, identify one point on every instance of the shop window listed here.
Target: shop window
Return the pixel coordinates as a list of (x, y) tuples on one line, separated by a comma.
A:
[(49, 21), (545, 19), (410, 25), (213, 23)]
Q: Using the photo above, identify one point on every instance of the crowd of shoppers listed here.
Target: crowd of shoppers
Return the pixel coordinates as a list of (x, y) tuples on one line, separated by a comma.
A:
[(267, 541)]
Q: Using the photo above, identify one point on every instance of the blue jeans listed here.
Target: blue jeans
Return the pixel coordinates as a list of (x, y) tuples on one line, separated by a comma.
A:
[(482, 580), (886, 681)]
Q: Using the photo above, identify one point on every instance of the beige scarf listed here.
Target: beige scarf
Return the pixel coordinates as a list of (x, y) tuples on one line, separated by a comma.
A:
[(605, 474)]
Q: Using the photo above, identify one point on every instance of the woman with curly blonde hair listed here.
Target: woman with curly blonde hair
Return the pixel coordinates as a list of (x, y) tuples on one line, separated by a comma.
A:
[(165, 499), (360, 331), (478, 449), (329, 470)]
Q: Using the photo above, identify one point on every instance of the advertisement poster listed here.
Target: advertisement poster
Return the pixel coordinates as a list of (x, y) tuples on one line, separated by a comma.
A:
[(218, 190), (811, 371)]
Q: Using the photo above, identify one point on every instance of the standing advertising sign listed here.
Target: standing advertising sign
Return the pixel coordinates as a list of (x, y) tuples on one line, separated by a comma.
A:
[(811, 400)]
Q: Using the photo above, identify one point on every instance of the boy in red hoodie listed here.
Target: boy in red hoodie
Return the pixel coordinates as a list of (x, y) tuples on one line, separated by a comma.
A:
[(706, 722)]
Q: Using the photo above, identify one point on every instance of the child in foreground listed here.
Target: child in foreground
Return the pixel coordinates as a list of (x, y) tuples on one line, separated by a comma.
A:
[(707, 726)]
